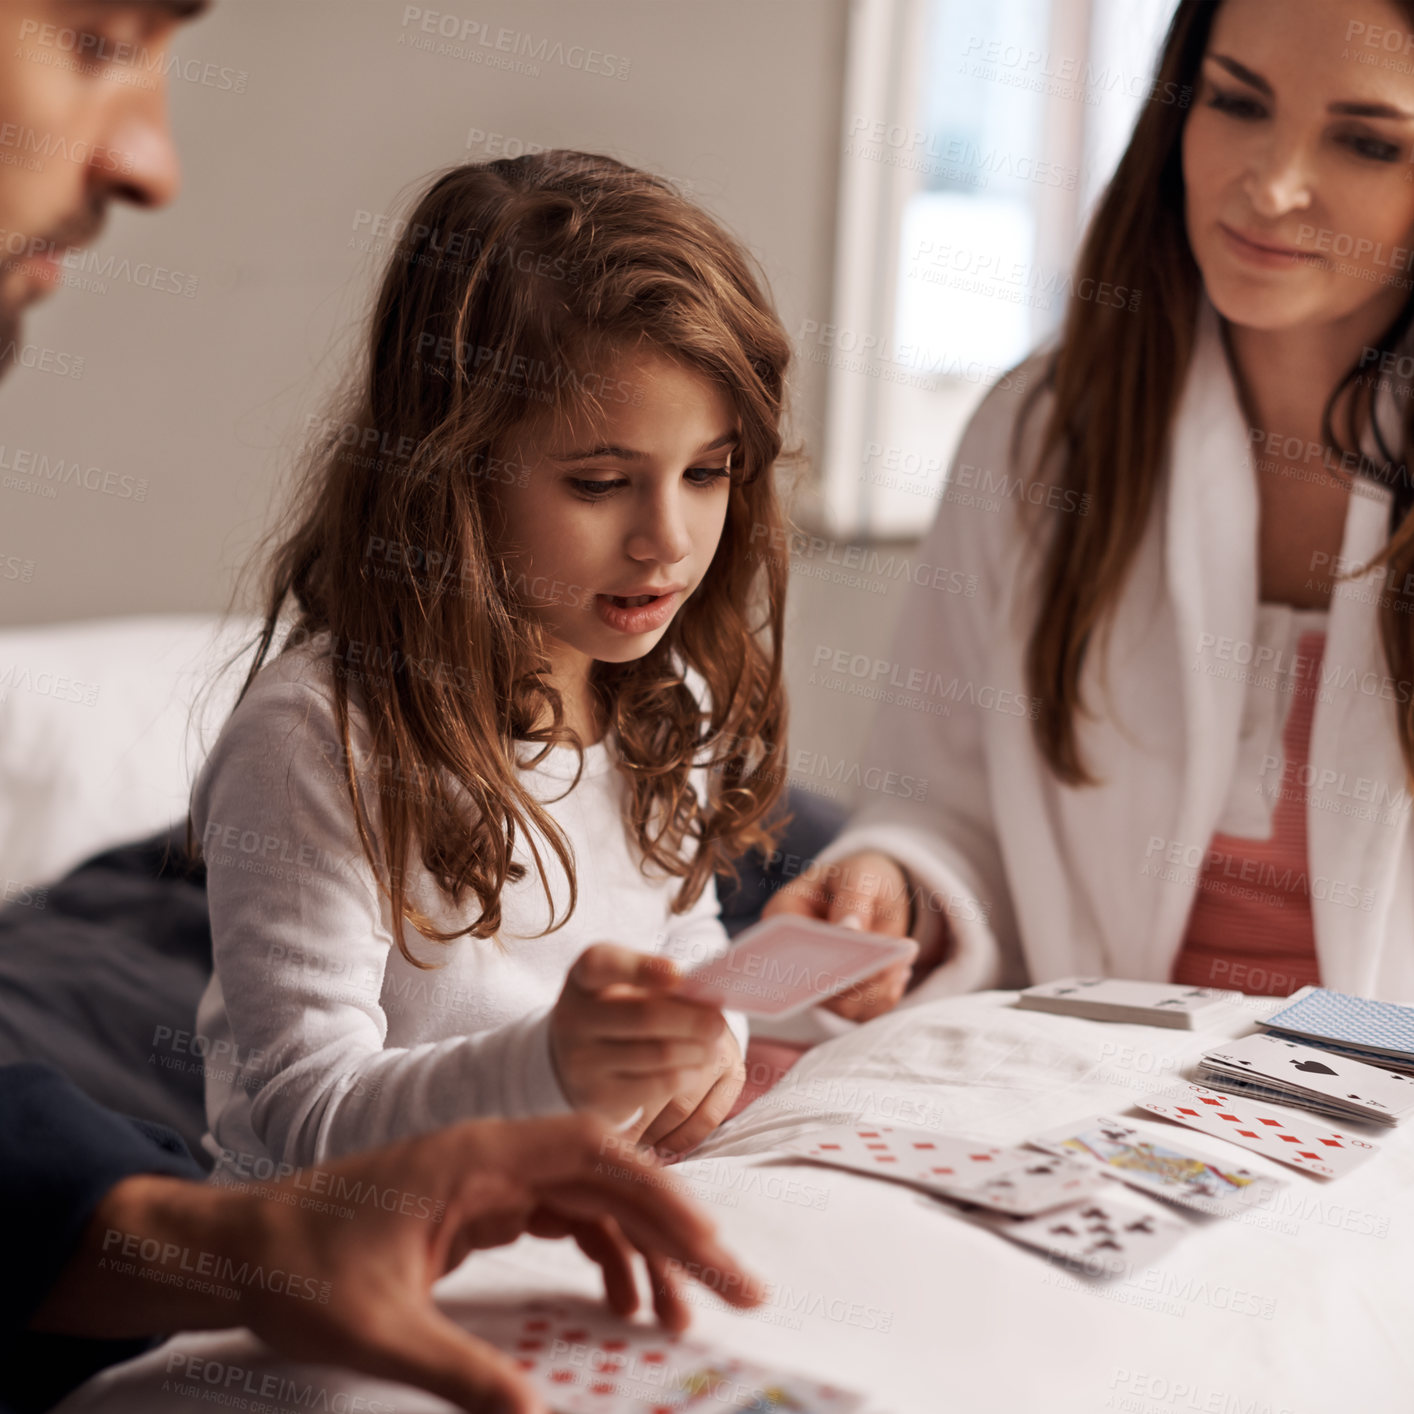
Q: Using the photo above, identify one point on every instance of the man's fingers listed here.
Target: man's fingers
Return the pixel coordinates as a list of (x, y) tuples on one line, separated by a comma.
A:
[(601, 1242), (672, 1311), (607, 964)]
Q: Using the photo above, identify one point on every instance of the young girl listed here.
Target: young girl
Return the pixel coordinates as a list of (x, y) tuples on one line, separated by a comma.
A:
[(530, 694), (1180, 723)]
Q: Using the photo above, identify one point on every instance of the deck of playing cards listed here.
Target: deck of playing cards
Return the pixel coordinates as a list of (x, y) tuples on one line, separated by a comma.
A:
[(785, 964), (1140, 1003), (1379, 1032), (1310, 1147), (1158, 1166), (1276, 1068)]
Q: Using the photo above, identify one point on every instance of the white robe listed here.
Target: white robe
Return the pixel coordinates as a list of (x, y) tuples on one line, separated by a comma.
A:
[(1039, 880)]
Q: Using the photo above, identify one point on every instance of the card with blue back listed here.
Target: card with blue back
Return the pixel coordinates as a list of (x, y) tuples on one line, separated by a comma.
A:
[(1379, 1028)]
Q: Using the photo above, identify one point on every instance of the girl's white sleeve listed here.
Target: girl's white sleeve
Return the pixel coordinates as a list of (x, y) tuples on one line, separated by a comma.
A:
[(301, 937), (925, 780)]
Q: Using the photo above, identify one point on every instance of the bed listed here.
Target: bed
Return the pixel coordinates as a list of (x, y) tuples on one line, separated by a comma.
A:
[(1298, 1308)]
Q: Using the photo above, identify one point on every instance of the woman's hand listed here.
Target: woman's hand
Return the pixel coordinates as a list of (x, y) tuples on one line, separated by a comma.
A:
[(622, 1046), (868, 890), (694, 1112)]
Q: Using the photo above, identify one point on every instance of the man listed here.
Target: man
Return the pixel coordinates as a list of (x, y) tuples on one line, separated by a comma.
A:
[(117, 1239)]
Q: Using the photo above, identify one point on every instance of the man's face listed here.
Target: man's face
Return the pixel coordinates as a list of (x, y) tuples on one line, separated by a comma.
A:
[(83, 121)]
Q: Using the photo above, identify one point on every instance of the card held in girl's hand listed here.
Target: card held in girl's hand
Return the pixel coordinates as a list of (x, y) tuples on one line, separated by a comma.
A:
[(785, 964)]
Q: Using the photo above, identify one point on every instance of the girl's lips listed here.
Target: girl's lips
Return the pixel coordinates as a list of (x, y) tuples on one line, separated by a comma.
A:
[(642, 618)]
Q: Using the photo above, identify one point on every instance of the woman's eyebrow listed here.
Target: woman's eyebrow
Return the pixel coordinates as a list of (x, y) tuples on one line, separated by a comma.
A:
[(1350, 108)]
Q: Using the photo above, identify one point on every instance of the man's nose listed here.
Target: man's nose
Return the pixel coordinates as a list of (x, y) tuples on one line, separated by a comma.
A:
[(138, 161)]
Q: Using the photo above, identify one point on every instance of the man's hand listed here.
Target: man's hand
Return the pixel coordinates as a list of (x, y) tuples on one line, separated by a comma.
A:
[(693, 1113), (868, 890), (356, 1291)]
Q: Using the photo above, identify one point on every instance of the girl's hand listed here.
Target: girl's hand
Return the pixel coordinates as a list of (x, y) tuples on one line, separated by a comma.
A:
[(868, 890), (694, 1112), (621, 1045)]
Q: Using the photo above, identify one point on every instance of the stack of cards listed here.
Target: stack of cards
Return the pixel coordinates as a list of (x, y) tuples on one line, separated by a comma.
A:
[(582, 1359), (1312, 1148), (1053, 1204), (1280, 1069), (1141, 1003), (1154, 1165), (1381, 1033), (784, 965)]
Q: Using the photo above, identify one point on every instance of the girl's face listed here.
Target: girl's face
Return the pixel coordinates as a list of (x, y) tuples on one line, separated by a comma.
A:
[(1298, 162), (619, 514)]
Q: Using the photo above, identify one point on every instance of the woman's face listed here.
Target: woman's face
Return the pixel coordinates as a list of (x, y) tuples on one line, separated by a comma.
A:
[(1298, 162), (631, 500)]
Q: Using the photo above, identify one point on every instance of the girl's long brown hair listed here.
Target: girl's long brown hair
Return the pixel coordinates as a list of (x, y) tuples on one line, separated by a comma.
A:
[(1116, 379), (513, 287)]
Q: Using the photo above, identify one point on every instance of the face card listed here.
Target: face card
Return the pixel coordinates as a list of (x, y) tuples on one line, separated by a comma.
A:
[(1290, 1064), (1304, 1145), (582, 1360), (1352, 1021), (785, 964), (1159, 1167), (1103, 1235), (1005, 1179)]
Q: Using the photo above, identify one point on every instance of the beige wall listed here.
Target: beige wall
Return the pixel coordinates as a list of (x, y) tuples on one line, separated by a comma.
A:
[(202, 397)]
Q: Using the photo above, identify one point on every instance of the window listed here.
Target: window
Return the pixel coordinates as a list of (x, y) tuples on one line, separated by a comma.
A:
[(977, 136)]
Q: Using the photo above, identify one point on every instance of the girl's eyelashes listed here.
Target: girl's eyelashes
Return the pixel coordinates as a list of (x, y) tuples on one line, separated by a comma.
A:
[(1363, 144), (600, 489)]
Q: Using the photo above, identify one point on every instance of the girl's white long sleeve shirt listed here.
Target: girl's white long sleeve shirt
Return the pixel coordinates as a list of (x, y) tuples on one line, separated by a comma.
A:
[(320, 1038)]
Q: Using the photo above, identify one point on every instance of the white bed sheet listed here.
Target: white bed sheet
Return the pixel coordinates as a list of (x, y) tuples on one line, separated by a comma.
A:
[(1298, 1309)]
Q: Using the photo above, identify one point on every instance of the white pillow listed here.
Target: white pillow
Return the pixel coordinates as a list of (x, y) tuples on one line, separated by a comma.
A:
[(99, 739)]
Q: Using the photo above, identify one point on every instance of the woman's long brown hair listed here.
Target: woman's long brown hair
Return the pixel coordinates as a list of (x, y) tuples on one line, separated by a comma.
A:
[(514, 285), (1116, 379)]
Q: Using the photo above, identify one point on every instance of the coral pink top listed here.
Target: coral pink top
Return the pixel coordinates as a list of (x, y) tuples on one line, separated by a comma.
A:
[(1251, 928)]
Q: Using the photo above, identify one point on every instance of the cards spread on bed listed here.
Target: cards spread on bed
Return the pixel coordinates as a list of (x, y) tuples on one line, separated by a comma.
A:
[(1157, 1166), (1306, 1145), (1008, 1180), (1140, 1003), (1368, 1030), (786, 964), (1277, 1068), (583, 1360)]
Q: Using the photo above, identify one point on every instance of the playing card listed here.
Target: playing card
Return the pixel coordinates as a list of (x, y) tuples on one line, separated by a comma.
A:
[(1383, 1028), (1103, 1235), (786, 964), (1008, 1180), (583, 1360), (1144, 1003), (1359, 1090), (1304, 1145), (1156, 1166)]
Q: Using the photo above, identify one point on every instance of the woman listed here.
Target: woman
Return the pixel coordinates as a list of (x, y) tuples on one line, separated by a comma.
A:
[(1179, 729)]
